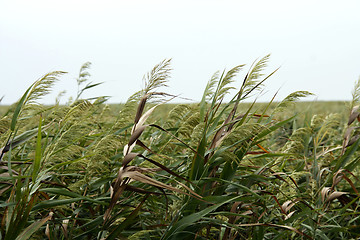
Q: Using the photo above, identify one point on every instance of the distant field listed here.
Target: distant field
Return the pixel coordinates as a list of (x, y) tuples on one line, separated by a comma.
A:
[(316, 107)]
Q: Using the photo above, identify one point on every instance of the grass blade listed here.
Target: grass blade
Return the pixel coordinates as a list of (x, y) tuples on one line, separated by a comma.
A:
[(30, 230)]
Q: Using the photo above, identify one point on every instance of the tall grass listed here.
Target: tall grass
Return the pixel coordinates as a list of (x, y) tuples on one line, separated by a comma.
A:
[(211, 170)]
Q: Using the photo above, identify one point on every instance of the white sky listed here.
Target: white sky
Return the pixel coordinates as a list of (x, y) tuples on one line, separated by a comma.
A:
[(316, 43)]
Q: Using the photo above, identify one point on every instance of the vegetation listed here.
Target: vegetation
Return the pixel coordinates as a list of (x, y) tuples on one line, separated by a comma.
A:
[(151, 170)]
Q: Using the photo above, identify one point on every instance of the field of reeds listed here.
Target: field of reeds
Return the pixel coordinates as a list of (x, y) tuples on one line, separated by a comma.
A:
[(149, 169)]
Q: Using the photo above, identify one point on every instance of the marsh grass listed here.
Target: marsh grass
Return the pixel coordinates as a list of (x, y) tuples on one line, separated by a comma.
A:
[(148, 169)]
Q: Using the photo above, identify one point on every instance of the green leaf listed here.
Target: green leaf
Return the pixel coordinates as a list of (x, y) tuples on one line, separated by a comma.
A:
[(347, 155), (189, 220), (93, 227), (272, 128), (228, 173), (92, 85), (37, 160), (129, 219), (16, 141), (54, 203), (30, 230), (197, 166), (18, 108), (64, 192)]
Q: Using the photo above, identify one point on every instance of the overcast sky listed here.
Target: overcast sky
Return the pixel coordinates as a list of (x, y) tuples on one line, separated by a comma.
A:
[(316, 44)]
